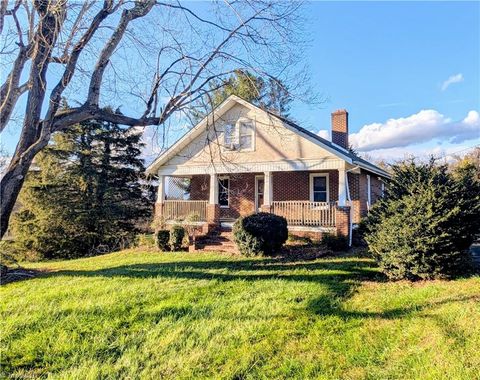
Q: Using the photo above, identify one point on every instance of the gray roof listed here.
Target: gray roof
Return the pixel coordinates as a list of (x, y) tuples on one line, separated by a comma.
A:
[(356, 160)]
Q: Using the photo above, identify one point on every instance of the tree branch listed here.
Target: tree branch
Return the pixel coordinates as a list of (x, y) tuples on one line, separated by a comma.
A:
[(139, 10)]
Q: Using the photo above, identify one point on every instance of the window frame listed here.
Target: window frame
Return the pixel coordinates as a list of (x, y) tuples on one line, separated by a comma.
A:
[(237, 134), (258, 178), (223, 178), (232, 135), (244, 120), (327, 185)]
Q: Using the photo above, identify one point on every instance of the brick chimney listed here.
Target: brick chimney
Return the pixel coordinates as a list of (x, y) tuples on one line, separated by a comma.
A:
[(340, 128)]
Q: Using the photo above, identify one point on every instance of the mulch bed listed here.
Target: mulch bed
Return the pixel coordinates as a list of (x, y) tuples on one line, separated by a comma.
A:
[(304, 252)]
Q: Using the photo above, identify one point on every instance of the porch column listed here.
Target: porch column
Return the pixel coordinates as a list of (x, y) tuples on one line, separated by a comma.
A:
[(267, 192), (160, 196), (342, 188), (213, 208), (213, 200)]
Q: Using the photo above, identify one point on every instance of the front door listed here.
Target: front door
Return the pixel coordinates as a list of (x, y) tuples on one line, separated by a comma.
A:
[(259, 186)]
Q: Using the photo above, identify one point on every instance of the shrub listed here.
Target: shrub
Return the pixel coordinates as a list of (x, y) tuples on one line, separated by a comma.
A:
[(163, 240), (425, 224), (145, 240), (177, 234), (260, 234), (335, 243)]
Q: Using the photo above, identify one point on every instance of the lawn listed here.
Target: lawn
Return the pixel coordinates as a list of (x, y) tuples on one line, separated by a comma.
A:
[(191, 316)]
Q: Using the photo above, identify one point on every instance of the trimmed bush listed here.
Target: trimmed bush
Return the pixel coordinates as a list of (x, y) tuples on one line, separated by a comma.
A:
[(163, 240), (335, 243), (260, 234), (425, 224), (177, 233)]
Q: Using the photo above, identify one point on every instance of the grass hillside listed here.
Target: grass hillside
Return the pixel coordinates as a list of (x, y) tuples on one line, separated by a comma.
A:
[(153, 315)]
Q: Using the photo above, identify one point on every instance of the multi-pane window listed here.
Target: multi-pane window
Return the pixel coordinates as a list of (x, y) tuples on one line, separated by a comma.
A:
[(246, 135), (229, 135), (239, 136), (223, 192), (319, 190)]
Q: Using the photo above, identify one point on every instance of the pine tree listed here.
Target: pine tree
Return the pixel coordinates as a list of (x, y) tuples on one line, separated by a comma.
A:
[(86, 195), (269, 94)]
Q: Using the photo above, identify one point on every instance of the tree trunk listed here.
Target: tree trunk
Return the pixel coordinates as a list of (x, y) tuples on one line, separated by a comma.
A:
[(10, 186)]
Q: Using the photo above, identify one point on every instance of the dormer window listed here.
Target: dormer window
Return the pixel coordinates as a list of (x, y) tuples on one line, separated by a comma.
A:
[(239, 136)]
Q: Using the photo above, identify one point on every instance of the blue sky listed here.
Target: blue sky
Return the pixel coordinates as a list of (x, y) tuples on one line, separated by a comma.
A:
[(407, 72), (388, 60)]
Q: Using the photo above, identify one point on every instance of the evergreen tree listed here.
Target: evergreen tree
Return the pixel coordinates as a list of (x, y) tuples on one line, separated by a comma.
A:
[(86, 195), (426, 222), (269, 94)]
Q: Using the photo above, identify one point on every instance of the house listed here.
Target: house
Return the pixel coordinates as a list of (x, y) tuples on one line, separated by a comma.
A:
[(241, 159)]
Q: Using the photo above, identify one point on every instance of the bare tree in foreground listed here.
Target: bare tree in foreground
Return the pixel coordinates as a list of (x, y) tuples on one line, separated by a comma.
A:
[(154, 58)]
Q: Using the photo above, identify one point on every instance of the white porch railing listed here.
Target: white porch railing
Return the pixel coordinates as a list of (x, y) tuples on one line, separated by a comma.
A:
[(304, 213), (180, 210)]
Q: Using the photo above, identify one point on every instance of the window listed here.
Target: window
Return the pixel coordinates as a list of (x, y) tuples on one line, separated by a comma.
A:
[(246, 135), (239, 136), (223, 192), (318, 187), (229, 135)]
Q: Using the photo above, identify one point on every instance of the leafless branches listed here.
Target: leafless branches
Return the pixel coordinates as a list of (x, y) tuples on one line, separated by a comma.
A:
[(155, 58)]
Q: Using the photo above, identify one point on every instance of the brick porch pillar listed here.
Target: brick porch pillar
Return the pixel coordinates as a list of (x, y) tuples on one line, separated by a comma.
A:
[(342, 220), (213, 213)]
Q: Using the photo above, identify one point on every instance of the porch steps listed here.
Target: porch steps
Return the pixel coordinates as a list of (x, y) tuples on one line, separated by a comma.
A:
[(220, 240)]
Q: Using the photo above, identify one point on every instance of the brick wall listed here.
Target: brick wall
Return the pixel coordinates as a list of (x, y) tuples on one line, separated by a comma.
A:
[(242, 196), (376, 188), (340, 128), (200, 188), (358, 193), (295, 186), (287, 186)]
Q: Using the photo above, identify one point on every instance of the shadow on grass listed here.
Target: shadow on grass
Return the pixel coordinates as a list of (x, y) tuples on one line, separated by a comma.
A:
[(340, 277), (345, 270)]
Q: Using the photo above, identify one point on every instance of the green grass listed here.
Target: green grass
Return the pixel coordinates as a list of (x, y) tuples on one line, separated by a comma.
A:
[(153, 315)]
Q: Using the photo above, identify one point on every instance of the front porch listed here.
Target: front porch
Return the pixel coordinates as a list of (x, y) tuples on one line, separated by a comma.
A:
[(217, 199)]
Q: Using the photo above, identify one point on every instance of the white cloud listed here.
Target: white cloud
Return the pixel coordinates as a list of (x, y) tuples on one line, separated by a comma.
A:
[(424, 126), (457, 78), (324, 133), (421, 152)]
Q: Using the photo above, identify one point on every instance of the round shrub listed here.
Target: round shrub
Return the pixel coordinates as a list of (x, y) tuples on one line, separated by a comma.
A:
[(425, 224), (177, 233), (260, 234), (163, 240)]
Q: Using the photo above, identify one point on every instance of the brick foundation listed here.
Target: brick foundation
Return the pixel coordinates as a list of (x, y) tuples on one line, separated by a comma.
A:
[(342, 220), (213, 214)]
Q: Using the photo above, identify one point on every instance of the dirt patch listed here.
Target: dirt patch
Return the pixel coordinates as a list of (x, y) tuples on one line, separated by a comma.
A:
[(305, 252)]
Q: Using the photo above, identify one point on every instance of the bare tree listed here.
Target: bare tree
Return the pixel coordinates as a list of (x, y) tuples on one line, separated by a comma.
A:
[(158, 57)]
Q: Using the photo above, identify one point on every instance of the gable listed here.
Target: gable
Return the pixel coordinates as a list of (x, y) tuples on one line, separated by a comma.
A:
[(273, 141), (279, 145)]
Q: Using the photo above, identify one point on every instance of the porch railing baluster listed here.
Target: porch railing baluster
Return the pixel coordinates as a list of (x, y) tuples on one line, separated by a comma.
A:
[(181, 209), (315, 214)]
